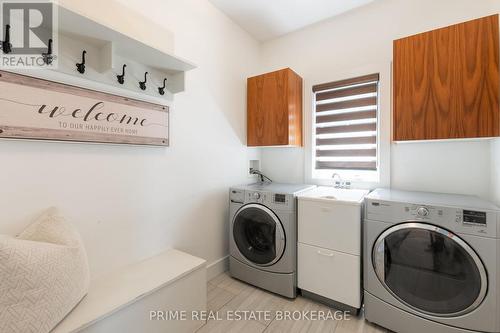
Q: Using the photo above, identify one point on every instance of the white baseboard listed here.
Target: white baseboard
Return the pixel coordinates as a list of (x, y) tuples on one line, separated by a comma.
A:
[(217, 267)]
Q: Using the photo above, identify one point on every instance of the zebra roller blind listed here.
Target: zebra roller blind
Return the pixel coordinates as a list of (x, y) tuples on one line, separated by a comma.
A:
[(346, 123)]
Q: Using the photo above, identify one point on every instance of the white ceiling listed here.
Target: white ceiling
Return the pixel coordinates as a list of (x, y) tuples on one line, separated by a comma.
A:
[(268, 19)]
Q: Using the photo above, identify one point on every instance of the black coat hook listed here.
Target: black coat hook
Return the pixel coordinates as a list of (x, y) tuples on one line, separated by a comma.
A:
[(161, 90), (81, 66), (121, 78), (142, 84), (48, 57), (6, 45)]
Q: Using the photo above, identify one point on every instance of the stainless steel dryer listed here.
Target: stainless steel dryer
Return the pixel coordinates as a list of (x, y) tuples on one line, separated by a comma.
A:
[(431, 262), (263, 235)]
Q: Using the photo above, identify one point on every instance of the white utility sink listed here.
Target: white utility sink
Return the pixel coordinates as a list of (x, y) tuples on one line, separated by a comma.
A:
[(329, 193)]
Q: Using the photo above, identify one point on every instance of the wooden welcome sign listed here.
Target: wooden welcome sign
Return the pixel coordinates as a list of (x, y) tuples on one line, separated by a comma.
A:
[(32, 108)]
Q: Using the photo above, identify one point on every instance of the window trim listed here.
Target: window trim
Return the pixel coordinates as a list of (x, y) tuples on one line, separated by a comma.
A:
[(365, 181)]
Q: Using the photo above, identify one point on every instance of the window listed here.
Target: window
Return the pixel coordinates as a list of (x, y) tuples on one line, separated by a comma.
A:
[(346, 128)]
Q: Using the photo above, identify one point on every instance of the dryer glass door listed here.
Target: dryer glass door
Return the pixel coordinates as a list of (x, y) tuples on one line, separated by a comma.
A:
[(429, 269), (258, 234)]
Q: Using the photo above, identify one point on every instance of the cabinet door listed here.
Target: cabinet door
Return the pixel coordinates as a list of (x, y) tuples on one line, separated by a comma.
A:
[(267, 109), (446, 82), (330, 274)]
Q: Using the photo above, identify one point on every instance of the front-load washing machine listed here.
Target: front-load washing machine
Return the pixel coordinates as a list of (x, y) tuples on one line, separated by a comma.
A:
[(431, 262), (263, 235)]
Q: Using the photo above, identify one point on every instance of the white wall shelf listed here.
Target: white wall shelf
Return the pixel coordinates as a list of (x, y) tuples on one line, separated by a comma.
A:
[(71, 23), (107, 51)]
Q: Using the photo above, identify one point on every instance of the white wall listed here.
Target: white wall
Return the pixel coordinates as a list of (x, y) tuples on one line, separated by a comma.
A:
[(362, 38), (495, 171), (132, 202)]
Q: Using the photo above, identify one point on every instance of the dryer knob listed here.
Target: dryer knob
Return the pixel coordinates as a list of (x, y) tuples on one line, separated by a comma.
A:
[(422, 211), (256, 196)]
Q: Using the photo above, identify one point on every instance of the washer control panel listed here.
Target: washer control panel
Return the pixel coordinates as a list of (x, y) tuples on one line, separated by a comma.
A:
[(257, 197), (269, 199)]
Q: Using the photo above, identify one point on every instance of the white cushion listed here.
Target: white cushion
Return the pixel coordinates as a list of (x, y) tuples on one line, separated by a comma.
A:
[(43, 275)]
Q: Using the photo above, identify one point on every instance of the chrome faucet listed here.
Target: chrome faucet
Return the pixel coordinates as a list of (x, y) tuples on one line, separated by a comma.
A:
[(337, 183), (345, 184)]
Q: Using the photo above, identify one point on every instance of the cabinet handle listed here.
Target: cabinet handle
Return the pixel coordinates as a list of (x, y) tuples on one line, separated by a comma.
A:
[(325, 254)]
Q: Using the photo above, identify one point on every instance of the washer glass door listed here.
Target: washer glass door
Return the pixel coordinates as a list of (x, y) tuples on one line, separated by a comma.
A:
[(429, 269), (258, 234)]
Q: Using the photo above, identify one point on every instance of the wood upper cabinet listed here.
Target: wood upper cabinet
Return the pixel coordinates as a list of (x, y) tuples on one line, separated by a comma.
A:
[(274, 109), (446, 82)]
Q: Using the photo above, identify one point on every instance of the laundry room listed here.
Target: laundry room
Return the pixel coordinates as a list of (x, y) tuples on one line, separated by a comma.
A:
[(250, 166)]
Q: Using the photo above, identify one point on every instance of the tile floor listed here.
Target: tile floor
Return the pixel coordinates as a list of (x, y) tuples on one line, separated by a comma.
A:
[(226, 295)]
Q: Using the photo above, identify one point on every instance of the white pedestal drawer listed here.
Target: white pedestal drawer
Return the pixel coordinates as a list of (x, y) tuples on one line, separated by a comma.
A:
[(334, 226), (331, 274)]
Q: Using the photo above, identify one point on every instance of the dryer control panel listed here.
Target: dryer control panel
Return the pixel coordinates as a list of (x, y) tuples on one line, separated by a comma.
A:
[(468, 221)]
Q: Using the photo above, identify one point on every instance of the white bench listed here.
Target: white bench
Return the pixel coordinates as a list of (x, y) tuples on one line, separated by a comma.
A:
[(122, 301)]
